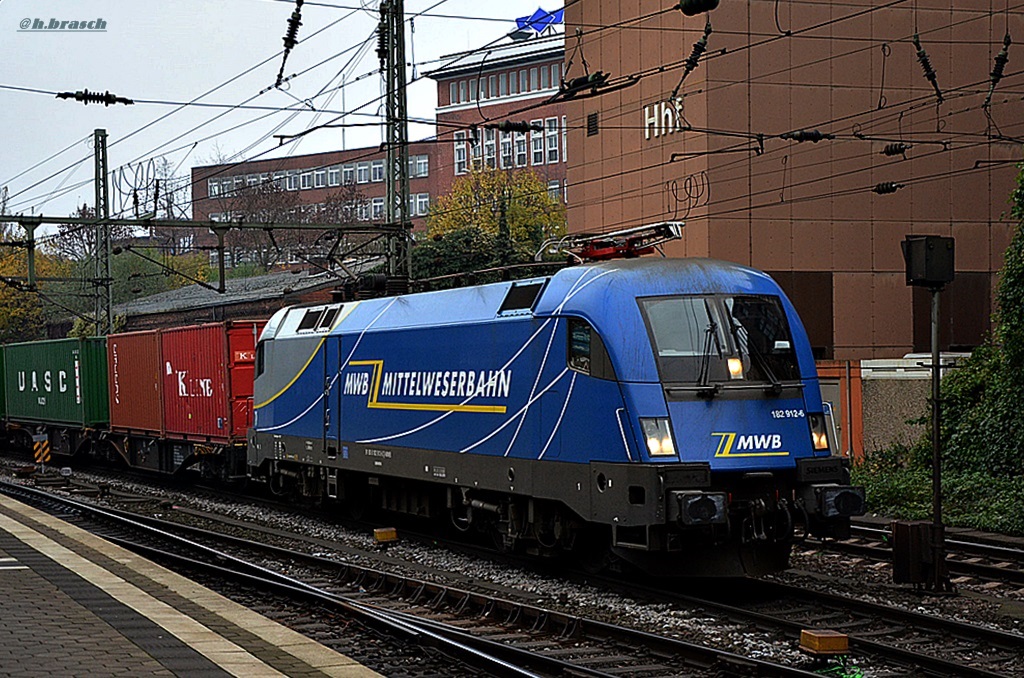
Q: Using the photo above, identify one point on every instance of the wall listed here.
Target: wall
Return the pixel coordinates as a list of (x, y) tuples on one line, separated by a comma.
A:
[(719, 158)]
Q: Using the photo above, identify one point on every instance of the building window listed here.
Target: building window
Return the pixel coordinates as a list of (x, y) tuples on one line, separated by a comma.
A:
[(554, 189), (252, 179), (520, 149), (419, 204), (513, 83), (537, 143), (460, 153), (334, 176), (452, 91), (364, 211), (503, 85), (348, 174), (556, 75), (320, 178), (306, 180), (378, 208), (472, 90), (506, 150), (492, 83), (239, 183), (293, 180), (551, 129), (462, 91), (213, 187), (377, 170), (565, 141), (475, 155), (544, 84), (533, 80), (524, 85), (419, 166), (363, 173), (490, 158)]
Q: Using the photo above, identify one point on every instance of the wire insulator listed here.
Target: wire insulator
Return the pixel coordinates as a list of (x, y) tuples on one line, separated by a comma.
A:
[(512, 126), (926, 66), (382, 42), (695, 7), (87, 97), (294, 21), (693, 60), (997, 69), (887, 187), (898, 148), (590, 81), (802, 135)]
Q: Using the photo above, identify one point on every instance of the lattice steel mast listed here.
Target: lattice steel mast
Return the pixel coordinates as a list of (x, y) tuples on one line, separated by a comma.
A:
[(391, 52)]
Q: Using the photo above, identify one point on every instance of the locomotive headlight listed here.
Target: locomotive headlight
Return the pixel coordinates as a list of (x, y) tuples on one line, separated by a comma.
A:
[(819, 437), (659, 437), (735, 368)]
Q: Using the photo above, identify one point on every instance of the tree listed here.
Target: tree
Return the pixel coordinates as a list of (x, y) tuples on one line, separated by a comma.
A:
[(77, 242), (24, 312), (491, 220), (982, 419), (269, 203), (6, 229), (515, 206)]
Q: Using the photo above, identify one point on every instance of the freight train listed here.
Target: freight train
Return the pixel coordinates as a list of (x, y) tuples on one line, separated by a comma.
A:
[(659, 412)]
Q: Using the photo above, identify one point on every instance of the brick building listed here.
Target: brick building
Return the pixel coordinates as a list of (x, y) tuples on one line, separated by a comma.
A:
[(825, 218), (512, 80)]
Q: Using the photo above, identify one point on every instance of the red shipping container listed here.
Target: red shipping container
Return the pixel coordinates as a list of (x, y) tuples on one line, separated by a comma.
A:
[(133, 373), (207, 380)]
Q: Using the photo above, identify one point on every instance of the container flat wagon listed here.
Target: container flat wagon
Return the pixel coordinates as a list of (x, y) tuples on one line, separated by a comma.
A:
[(58, 389), (197, 403)]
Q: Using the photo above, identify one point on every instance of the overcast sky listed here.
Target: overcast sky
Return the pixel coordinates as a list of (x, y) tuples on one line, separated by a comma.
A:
[(177, 52)]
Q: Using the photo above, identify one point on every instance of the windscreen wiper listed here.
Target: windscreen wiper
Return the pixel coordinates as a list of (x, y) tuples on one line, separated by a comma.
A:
[(704, 388), (776, 386)]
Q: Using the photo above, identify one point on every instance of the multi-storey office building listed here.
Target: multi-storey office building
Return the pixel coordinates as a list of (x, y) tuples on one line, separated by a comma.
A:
[(218, 190), (825, 216), (516, 81)]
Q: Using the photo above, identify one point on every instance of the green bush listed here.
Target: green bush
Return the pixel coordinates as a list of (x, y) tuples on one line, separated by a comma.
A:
[(982, 432)]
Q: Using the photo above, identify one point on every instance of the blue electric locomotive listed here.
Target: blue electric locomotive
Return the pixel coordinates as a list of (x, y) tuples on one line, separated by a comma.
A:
[(663, 411)]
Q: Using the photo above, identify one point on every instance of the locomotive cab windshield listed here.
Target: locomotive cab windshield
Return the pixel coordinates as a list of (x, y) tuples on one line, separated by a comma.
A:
[(715, 342)]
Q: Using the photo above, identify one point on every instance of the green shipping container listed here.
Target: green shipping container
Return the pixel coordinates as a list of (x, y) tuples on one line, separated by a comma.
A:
[(57, 382)]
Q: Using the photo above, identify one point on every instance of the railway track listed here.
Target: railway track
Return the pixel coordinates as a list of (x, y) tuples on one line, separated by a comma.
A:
[(500, 636), (966, 558), (890, 640)]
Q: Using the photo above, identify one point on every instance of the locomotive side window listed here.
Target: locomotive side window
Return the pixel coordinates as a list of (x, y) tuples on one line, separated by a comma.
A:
[(260, 365), (586, 351)]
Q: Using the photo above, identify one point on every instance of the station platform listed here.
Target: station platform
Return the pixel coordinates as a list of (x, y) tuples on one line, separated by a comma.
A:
[(73, 604)]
